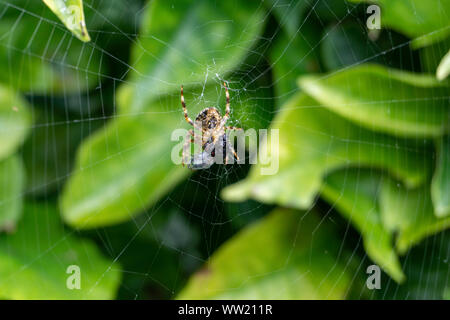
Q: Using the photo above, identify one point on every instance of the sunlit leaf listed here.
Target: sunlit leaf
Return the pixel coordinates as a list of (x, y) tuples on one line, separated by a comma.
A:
[(392, 101), (71, 13), (276, 258), (382, 211), (190, 43), (313, 141), (12, 180), (443, 69), (440, 186), (431, 56), (14, 121), (34, 260), (355, 193)]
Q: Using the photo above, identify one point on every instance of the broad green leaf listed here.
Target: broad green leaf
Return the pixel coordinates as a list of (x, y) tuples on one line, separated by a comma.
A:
[(34, 260), (14, 121), (313, 141), (189, 43), (355, 194), (380, 208), (71, 13), (387, 100), (120, 16), (440, 186), (46, 60), (409, 213), (443, 69), (424, 21), (278, 257), (12, 180)]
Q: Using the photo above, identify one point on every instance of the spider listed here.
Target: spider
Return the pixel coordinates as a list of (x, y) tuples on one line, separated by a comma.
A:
[(212, 126)]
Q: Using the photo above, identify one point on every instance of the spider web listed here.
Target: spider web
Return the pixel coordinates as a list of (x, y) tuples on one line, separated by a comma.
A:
[(191, 221)]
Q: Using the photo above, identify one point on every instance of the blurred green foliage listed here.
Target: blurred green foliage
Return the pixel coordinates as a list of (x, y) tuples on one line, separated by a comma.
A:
[(86, 176)]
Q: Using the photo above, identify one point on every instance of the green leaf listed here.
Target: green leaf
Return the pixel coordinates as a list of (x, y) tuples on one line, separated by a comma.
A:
[(12, 180), (355, 195), (379, 208), (190, 43), (440, 186), (425, 21), (278, 257), (313, 141), (443, 69), (388, 100), (14, 121), (71, 13), (34, 260), (409, 213)]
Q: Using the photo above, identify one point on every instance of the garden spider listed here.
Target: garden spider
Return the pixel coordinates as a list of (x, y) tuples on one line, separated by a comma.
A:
[(213, 135)]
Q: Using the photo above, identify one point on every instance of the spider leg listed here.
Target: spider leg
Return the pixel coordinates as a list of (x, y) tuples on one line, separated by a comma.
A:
[(188, 120), (227, 109), (230, 148), (233, 128), (187, 144), (234, 153)]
